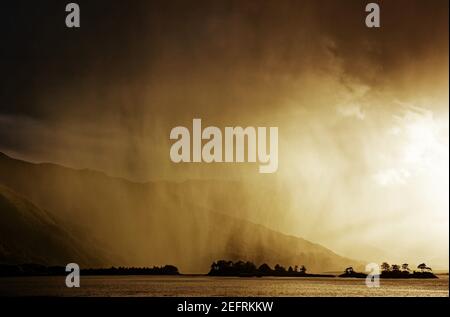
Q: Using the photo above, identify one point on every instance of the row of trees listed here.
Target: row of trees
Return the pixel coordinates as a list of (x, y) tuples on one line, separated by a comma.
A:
[(155, 270), (385, 267), (395, 271), (37, 270), (230, 268)]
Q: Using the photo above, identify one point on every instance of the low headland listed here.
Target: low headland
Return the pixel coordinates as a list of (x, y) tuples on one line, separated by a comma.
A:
[(42, 270)]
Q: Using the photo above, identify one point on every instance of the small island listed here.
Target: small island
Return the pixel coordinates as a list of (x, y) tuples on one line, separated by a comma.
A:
[(249, 269), (394, 271)]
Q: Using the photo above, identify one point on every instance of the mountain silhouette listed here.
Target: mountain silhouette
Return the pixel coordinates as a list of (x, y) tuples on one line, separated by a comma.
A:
[(29, 234), (143, 224)]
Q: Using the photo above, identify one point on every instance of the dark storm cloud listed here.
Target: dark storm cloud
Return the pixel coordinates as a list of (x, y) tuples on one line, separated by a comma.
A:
[(161, 62), (39, 54), (117, 41)]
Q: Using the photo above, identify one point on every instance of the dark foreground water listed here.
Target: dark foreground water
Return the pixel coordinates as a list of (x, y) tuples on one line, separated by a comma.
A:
[(217, 286)]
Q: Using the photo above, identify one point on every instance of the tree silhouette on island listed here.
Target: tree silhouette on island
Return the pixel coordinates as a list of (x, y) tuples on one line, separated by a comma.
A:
[(247, 269), (394, 271)]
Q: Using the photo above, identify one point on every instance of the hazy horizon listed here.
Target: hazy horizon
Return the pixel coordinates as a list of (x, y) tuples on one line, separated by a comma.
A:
[(371, 254)]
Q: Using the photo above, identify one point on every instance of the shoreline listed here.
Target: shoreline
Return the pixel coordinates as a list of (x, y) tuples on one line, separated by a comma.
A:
[(193, 275)]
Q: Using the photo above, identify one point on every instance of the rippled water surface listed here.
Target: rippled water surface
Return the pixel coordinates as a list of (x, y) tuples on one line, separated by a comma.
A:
[(216, 286)]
